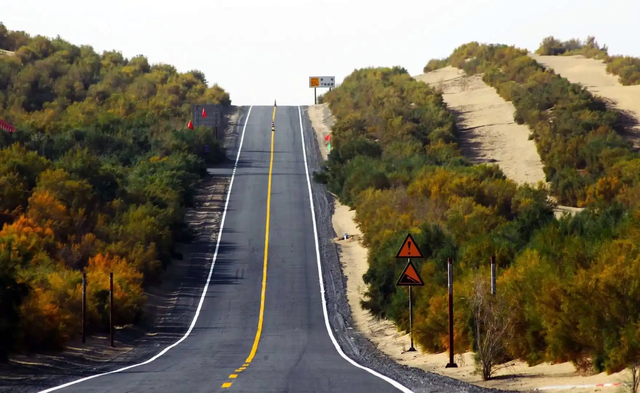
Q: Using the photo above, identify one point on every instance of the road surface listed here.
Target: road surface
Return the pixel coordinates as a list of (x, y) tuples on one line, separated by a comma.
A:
[(235, 346)]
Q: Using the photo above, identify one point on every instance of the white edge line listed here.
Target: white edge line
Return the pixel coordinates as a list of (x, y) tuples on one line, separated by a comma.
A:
[(324, 301), (204, 290)]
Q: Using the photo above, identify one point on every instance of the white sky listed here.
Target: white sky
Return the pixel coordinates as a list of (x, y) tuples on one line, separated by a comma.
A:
[(265, 50)]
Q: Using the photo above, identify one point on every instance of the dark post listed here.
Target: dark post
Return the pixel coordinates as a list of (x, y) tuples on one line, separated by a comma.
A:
[(412, 349), (450, 287), (493, 275), (84, 305), (315, 96), (111, 307)]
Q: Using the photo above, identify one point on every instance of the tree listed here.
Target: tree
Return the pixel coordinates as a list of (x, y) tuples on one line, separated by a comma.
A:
[(493, 327)]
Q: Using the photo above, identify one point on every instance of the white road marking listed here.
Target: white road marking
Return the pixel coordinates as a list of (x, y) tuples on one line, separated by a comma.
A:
[(324, 301), (204, 290)]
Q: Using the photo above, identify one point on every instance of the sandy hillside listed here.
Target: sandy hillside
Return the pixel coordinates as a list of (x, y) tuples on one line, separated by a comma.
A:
[(485, 121), (488, 133), (383, 333), (592, 74)]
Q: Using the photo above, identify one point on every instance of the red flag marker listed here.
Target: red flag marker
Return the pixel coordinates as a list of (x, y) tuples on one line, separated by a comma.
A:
[(204, 114), (7, 127), (190, 125)]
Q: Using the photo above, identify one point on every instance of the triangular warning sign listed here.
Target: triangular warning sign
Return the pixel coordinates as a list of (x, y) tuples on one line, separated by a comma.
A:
[(409, 249), (409, 277)]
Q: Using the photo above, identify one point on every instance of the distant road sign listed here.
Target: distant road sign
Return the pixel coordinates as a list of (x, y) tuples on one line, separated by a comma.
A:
[(409, 249), (409, 277), (322, 81)]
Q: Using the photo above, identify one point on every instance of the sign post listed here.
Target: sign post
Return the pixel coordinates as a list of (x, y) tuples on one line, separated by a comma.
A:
[(409, 277), (321, 81)]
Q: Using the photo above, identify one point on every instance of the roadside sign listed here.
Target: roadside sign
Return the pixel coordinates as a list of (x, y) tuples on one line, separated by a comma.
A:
[(322, 81), (409, 277), (409, 249)]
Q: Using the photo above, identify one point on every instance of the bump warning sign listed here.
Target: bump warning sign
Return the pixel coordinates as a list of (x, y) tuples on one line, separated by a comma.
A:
[(409, 277)]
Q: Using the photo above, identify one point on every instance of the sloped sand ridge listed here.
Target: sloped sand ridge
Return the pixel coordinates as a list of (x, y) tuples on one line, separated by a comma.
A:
[(592, 74), (487, 131)]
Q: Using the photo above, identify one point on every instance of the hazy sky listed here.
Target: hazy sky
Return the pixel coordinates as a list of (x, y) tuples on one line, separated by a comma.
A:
[(265, 50)]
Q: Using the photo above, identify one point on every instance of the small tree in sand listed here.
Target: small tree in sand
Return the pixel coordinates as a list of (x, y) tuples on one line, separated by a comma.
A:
[(492, 327)]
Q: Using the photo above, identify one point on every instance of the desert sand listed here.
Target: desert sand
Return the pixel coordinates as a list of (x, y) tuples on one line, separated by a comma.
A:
[(383, 333), (485, 122), (488, 133), (592, 74)]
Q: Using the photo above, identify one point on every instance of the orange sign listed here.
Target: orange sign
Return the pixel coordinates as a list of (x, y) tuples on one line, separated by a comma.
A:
[(314, 82), (409, 277), (409, 249)]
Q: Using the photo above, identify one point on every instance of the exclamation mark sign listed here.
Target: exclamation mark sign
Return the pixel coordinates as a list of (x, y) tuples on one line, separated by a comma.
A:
[(409, 244)]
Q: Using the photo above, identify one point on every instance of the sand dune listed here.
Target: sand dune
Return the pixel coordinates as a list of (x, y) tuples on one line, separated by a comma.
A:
[(488, 133), (487, 130), (592, 74)]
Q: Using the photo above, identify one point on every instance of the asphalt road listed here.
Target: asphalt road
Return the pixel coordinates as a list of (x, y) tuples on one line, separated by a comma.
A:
[(294, 352)]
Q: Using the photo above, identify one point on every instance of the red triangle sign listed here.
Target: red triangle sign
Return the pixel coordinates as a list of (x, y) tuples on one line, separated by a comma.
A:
[(409, 277), (190, 125), (409, 249)]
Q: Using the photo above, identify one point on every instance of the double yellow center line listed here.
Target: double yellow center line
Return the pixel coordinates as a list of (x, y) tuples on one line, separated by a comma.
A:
[(256, 341)]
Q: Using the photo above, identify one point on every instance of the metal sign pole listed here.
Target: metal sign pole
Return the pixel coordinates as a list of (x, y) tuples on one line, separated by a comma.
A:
[(411, 349)]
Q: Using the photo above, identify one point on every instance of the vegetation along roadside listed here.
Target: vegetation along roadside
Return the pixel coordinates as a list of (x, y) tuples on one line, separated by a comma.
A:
[(395, 159), (96, 178)]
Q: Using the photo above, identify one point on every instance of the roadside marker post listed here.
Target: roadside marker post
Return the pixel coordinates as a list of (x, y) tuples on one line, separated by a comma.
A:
[(409, 277), (451, 364), (84, 305), (493, 275), (321, 81), (111, 307)]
